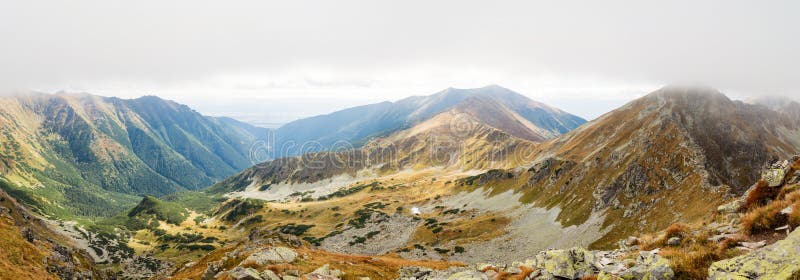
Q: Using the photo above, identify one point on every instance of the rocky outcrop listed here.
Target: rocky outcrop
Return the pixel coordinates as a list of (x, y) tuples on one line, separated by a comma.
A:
[(574, 263), (325, 273), (777, 261), (775, 174), (649, 265), (241, 273), (271, 256)]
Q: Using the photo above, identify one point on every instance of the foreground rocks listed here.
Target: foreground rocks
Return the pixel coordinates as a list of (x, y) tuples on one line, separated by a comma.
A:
[(777, 261), (574, 263), (272, 255)]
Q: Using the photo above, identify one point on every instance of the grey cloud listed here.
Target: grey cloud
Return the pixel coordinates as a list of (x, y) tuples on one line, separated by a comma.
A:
[(742, 46)]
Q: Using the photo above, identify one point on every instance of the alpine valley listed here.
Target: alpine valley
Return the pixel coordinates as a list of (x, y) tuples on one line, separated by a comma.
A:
[(483, 183)]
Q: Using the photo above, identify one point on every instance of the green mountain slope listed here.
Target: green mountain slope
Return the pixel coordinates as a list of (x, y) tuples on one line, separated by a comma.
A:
[(79, 154)]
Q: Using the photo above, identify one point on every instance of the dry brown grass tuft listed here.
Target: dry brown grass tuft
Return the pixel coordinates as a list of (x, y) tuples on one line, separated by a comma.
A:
[(677, 230), (691, 262), (761, 195), (691, 259), (590, 277), (768, 217), (525, 271)]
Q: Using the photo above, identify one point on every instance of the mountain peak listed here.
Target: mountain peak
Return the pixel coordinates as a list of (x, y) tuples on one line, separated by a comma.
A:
[(689, 92)]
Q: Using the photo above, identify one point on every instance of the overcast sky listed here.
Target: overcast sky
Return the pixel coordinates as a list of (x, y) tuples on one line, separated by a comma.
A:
[(270, 62)]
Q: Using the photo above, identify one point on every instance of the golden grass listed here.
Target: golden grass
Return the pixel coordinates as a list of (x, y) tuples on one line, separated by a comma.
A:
[(680, 230), (768, 217), (690, 259), (19, 259), (760, 195), (354, 266)]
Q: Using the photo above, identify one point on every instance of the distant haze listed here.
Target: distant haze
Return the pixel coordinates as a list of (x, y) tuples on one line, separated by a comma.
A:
[(269, 62)]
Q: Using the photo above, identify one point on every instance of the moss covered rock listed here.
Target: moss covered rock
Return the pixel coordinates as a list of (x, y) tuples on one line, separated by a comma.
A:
[(571, 263), (649, 266), (777, 261)]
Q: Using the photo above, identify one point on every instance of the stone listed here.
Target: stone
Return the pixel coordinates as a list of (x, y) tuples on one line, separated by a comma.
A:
[(325, 272), (649, 265), (272, 255), (468, 275), (754, 245), (674, 241), (514, 270), (484, 266), (780, 260), (240, 273), (413, 272), (632, 240), (269, 275), (788, 210), (211, 271), (731, 207), (571, 263), (720, 237), (290, 277), (776, 173), (28, 234), (607, 276)]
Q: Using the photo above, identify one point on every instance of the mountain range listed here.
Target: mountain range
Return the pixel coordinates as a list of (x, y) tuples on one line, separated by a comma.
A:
[(358, 124), (459, 177), (670, 156)]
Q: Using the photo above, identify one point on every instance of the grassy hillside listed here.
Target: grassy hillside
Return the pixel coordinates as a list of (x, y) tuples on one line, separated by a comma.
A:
[(84, 155)]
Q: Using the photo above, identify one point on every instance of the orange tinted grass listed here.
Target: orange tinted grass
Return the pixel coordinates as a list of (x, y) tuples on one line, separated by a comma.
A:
[(768, 217), (760, 195), (677, 230)]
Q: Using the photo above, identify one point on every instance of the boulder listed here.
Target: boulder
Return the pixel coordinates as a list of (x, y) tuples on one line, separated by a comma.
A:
[(674, 241), (649, 265), (272, 255), (240, 273), (754, 245), (211, 271), (414, 272), (777, 261), (720, 237), (731, 207), (326, 273), (269, 275), (573, 263), (468, 275), (776, 173)]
